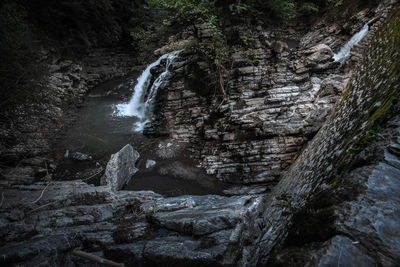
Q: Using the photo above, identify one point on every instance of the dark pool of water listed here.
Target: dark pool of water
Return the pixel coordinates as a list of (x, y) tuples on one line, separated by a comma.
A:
[(99, 133), (174, 176)]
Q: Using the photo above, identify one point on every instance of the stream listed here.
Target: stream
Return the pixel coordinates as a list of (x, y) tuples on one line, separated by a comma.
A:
[(115, 114), (107, 123)]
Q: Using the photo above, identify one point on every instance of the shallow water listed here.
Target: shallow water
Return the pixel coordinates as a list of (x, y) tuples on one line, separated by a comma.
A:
[(99, 133)]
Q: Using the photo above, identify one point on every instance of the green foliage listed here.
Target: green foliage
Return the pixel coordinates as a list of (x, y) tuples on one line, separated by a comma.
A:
[(283, 8), (308, 8), (238, 8), (186, 11), (213, 14), (260, 11), (190, 12), (285, 203), (371, 134), (336, 3)]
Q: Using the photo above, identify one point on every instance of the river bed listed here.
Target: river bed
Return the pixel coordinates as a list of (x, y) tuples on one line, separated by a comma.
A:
[(99, 132)]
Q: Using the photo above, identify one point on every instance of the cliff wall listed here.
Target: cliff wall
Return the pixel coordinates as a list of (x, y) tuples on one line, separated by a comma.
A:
[(278, 95), (348, 174)]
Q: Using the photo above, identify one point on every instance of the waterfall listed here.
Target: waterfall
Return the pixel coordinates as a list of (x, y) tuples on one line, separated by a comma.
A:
[(138, 106), (345, 51)]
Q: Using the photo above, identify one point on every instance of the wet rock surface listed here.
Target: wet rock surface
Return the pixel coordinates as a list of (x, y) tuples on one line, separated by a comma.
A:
[(336, 205), (143, 226), (276, 102), (35, 127), (352, 175)]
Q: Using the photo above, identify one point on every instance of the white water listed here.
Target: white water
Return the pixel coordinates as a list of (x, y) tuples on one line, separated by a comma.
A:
[(138, 106), (344, 53)]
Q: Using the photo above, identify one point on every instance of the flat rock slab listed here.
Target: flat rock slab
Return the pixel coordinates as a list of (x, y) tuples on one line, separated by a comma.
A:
[(201, 215), (133, 227)]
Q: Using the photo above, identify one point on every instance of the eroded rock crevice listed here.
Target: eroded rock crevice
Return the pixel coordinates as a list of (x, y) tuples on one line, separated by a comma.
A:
[(322, 139), (277, 99)]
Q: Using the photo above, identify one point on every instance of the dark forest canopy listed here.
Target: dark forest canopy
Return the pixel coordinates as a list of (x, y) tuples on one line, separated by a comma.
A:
[(79, 25)]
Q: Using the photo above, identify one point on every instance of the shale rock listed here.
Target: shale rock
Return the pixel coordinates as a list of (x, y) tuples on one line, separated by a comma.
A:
[(332, 85), (351, 171), (140, 228), (271, 109), (319, 54)]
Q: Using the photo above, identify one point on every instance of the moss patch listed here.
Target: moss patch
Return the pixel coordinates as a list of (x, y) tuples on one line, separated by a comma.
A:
[(380, 78)]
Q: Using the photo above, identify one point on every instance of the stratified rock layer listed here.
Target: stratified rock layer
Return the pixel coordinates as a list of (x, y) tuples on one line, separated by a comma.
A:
[(342, 192), (336, 205), (140, 228), (277, 98), (35, 126)]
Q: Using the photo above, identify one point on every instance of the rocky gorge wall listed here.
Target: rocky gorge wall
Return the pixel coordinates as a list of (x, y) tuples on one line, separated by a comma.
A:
[(351, 168), (79, 45), (31, 129), (336, 205), (277, 99)]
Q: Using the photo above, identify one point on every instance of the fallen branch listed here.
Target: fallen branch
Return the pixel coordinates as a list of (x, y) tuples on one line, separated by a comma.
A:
[(41, 194), (43, 206), (222, 83), (372, 21), (94, 175), (47, 169), (2, 199), (97, 259)]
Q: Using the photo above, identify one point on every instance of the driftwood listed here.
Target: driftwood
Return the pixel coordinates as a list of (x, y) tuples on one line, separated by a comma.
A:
[(41, 194), (2, 199), (94, 175), (372, 21), (97, 259), (43, 206)]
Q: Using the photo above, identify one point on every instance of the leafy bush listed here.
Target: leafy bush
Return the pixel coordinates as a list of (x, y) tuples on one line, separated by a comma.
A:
[(308, 8), (216, 14)]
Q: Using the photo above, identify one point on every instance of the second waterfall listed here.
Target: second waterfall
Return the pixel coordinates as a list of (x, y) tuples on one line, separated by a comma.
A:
[(141, 103)]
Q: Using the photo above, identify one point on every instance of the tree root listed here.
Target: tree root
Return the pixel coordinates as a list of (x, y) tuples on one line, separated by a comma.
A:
[(94, 175), (43, 206)]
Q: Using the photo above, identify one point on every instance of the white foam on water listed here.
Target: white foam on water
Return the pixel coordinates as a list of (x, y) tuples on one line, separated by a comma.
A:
[(138, 106), (344, 52)]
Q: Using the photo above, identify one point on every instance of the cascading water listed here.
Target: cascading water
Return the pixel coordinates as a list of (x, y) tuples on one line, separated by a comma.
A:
[(344, 53), (138, 106)]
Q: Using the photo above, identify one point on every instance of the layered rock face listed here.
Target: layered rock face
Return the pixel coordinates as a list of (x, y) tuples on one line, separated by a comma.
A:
[(32, 127), (350, 169), (277, 99), (136, 228), (336, 205)]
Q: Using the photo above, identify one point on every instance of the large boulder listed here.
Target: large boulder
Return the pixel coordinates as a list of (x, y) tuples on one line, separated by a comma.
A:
[(319, 54), (279, 46), (120, 168)]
